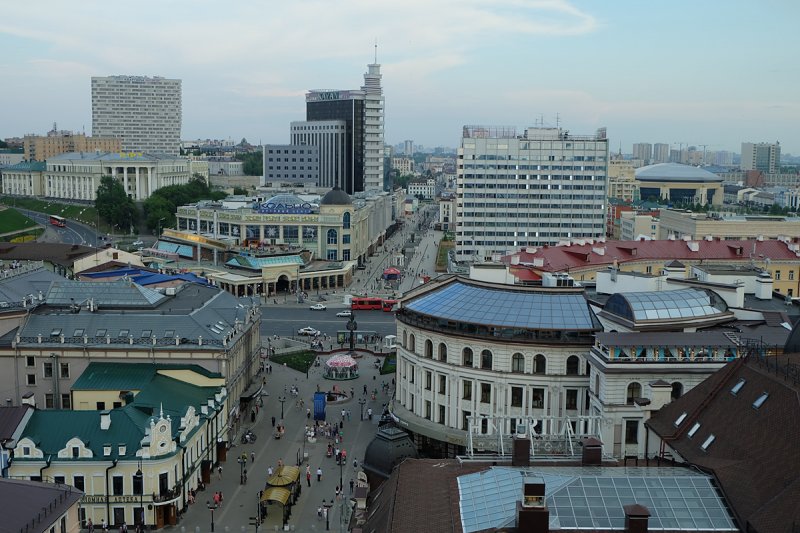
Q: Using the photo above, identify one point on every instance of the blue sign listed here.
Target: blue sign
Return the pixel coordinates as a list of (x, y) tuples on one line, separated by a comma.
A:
[(270, 208), (319, 406)]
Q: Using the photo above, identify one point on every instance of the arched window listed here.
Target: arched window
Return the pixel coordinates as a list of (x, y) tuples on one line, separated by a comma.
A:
[(466, 357), (333, 237), (597, 384), (677, 390), (412, 344), (486, 360), (346, 220), (573, 365), (429, 349), (518, 363), (405, 339), (442, 352), (634, 391), (539, 364)]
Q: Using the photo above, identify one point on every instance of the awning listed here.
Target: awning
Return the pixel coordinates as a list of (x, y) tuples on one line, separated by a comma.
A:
[(276, 494), (253, 391), (285, 475)]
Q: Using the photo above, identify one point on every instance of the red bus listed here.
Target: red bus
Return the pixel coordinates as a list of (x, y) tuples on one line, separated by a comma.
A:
[(56, 220), (388, 305), (366, 303)]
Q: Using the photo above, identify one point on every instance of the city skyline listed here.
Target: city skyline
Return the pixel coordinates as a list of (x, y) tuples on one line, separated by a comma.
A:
[(675, 73)]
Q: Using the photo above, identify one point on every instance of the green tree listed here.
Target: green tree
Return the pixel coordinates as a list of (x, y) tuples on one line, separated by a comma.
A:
[(114, 206), (163, 203), (241, 191), (253, 163), (3, 144)]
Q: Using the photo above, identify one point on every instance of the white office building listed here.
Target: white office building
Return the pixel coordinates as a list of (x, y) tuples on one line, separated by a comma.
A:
[(542, 187), (329, 137), (144, 112), (765, 157)]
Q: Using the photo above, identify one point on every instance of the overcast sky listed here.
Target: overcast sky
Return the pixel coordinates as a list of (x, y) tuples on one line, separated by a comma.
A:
[(713, 72)]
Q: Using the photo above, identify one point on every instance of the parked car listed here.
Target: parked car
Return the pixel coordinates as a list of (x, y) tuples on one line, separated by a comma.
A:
[(308, 330), (318, 307), (138, 243), (345, 313)]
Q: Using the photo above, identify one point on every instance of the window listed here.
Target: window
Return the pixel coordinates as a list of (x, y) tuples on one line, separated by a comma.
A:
[(101, 406), (48, 401), (101, 333), (486, 393), (677, 390), (791, 275), (64, 370), (648, 269), (680, 419), (58, 480), (518, 363), (66, 401), (441, 414), (693, 429), (736, 388), (572, 399), (707, 442), (573, 365), (427, 409), (30, 379), (47, 369), (429, 349), (467, 356), (123, 333), (465, 420), (428, 380), (539, 364), (333, 237), (117, 485), (516, 396), (537, 398), (346, 221), (442, 384), (777, 275), (76, 452), (147, 333), (30, 360), (78, 332), (77, 482), (634, 391), (631, 431), (467, 390), (412, 343), (442, 352), (486, 360), (760, 400)]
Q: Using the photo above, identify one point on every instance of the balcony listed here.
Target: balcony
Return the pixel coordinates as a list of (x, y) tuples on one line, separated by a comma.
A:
[(168, 496)]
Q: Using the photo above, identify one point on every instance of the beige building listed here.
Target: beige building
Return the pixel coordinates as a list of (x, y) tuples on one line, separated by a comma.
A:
[(633, 226), (680, 224), (404, 165), (623, 187), (24, 179), (676, 183), (43, 147)]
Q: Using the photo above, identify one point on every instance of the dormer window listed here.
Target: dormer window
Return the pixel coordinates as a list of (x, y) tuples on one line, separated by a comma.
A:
[(76, 452), (707, 443), (694, 429), (107, 450), (680, 419), (146, 333), (760, 400), (122, 448), (55, 332), (169, 333), (26, 451), (101, 333), (736, 388), (78, 332), (123, 332)]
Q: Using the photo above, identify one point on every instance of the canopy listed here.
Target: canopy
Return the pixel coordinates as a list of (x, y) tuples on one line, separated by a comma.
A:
[(284, 475), (341, 361), (276, 494), (392, 270)]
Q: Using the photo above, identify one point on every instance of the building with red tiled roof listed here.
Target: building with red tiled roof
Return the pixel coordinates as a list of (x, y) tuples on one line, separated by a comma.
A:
[(582, 260)]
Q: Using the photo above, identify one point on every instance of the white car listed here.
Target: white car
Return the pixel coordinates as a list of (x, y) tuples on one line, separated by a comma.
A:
[(138, 243), (345, 313), (308, 330), (318, 307)]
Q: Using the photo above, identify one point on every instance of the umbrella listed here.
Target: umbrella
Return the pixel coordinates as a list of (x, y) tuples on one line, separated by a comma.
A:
[(285, 475)]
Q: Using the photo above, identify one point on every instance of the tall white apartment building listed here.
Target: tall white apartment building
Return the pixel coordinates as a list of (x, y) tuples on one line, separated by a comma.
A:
[(660, 153), (408, 147), (330, 139), (144, 112), (373, 128), (765, 157), (539, 188), (643, 151)]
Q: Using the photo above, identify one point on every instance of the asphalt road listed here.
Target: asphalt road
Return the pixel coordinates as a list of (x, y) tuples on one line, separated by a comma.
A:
[(285, 320)]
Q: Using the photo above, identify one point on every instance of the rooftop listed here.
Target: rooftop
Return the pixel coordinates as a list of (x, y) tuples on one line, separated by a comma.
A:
[(661, 305), (137, 157), (26, 501), (675, 172)]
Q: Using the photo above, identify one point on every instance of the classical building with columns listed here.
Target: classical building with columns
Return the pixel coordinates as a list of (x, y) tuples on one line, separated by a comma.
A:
[(76, 176)]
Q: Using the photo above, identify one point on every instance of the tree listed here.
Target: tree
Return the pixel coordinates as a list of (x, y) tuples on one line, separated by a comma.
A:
[(241, 191), (253, 163), (164, 201), (114, 206), (3, 144)]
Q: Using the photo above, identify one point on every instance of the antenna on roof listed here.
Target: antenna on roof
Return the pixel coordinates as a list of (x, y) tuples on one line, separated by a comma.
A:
[(376, 50)]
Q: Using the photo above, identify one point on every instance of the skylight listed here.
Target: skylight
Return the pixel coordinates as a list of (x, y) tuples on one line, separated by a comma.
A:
[(736, 388), (55, 332), (707, 442), (680, 419), (760, 400), (100, 333), (694, 429)]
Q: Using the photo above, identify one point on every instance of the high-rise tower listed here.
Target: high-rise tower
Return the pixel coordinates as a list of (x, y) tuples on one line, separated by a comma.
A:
[(373, 128)]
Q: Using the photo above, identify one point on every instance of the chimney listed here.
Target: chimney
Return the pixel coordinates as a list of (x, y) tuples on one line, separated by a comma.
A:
[(105, 420), (521, 451), (532, 513), (636, 518), (660, 394), (592, 454), (764, 286)]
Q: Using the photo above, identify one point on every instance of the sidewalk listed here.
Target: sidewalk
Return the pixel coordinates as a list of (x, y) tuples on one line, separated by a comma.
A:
[(240, 501)]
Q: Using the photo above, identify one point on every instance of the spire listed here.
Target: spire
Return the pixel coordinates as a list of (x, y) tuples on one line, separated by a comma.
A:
[(161, 410), (376, 50)]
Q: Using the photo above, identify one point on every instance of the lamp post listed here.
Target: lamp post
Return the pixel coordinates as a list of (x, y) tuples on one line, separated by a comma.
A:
[(212, 507), (140, 476), (281, 399), (242, 460), (361, 402)]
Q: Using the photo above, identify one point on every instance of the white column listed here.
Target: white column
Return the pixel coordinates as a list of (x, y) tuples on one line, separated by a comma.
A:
[(125, 178), (150, 180), (137, 177)]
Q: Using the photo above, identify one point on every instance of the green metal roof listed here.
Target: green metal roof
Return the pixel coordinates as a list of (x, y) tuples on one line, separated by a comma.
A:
[(128, 376)]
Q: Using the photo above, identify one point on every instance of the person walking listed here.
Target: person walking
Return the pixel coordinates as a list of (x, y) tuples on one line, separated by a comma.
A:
[(90, 526), (273, 421), (269, 471), (352, 483), (319, 474), (308, 477), (252, 457), (219, 471)]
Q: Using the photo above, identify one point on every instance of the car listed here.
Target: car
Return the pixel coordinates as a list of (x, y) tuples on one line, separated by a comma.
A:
[(308, 330), (345, 313), (138, 243), (318, 307)]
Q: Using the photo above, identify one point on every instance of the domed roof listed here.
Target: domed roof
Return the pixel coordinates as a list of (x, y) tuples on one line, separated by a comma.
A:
[(285, 199), (341, 361), (675, 172), (336, 196), (388, 449)]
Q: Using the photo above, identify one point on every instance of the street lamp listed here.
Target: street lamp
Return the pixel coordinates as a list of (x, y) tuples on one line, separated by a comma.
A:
[(242, 460), (212, 507), (281, 399), (140, 477), (362, 401)]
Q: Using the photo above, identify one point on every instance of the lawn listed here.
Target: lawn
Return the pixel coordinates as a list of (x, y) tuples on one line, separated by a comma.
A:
[(300, 361), (441, 255), (12, 220), (86, 214), (389, 365)]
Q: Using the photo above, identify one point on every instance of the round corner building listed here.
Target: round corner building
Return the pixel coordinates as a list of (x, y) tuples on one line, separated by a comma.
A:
[(478, 362), (678, 183)]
